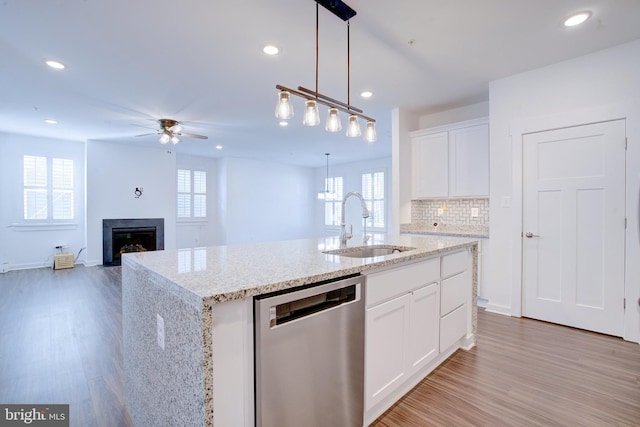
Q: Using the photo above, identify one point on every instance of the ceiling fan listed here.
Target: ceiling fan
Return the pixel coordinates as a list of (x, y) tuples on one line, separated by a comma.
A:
[(171, 130)]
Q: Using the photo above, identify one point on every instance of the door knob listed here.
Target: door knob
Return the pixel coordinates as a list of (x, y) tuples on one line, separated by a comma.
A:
[(530, 235)]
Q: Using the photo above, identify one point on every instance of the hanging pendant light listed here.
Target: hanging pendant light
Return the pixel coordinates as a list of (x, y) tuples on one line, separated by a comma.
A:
[(284, 108), (311, 114), (326, 194), (353, 127), (311, 117), (370, 132), (333, 121)]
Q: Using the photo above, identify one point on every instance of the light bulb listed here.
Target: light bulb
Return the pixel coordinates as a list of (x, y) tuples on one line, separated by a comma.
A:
[(284, 109), (165, 138), (175, 139), (333, 121), (353, 128), (370, 132), (311, 114), (177, 128)]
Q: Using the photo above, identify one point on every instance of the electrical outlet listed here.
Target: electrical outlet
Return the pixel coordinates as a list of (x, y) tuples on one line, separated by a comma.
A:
[(474, 212), (160, 330)]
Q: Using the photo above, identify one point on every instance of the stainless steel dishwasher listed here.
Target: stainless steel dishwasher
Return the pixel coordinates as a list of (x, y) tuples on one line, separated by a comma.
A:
[(309, 356)]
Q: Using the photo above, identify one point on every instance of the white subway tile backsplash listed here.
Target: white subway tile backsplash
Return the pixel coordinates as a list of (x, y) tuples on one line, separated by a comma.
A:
[(457, 211)]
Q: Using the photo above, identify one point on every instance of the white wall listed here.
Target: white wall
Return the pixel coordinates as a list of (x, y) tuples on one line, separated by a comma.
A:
[(262, 201), (600, 86), (467, 112), (402, 123), (34, 247), (114, 171), (351, 174), (207, 232)]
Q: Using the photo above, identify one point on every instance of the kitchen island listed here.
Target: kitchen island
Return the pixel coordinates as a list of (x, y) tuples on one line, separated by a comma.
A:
[(188, 318)]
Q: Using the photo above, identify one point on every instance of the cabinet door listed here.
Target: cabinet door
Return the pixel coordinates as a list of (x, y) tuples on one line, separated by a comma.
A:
[(429, 165), (424, 328), (469, 161), (387, 328)]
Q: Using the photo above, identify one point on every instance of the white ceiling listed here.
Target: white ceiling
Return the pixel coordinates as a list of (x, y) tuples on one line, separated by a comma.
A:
[(130, 63)]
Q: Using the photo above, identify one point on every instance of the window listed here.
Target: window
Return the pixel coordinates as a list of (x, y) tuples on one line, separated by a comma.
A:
[(333, 205), (48, 188), (373, 194), (192, 194)]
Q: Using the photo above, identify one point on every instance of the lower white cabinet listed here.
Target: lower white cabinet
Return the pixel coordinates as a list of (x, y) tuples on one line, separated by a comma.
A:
[(386, 348), (404, 337), (407, 333)]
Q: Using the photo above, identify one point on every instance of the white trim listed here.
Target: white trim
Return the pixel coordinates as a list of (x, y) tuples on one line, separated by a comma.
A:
[(43, 226), (450, 126)]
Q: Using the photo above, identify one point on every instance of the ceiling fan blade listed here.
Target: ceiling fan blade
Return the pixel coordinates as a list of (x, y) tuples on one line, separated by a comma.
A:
[(147, 134), (193, 135)]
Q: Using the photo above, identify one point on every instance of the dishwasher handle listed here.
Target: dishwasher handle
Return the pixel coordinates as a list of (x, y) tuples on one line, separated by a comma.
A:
[(304, 307)]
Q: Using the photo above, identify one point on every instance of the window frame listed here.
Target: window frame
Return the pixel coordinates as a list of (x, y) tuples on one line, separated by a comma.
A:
[(193, 195), (49, 187), (335, 202), (370, 201)]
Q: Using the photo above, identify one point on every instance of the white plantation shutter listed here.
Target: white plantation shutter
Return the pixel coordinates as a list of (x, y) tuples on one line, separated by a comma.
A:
[(48, 188), (62, 188), (199, 194), (184, 193), (373, 194), (333, 207), (192, 194)]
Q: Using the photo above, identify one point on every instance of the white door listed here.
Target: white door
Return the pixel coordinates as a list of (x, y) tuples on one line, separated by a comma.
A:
[(574, 226)]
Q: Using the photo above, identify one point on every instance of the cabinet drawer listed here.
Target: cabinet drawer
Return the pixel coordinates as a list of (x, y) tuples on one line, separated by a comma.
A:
[(455, 263), (453, 326), (390, 283), (454, 292)]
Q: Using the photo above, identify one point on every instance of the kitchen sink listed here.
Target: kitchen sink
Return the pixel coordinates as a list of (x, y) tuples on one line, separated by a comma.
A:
[(369, 251)]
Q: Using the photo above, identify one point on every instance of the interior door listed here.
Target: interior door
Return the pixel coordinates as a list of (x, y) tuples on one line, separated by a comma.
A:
[(574, 226)]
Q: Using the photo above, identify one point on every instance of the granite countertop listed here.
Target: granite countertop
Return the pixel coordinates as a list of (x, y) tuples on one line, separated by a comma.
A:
[(222, 273), (459, 230)]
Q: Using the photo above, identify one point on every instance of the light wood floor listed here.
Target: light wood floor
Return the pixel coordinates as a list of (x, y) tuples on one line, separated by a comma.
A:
[(61, 340)]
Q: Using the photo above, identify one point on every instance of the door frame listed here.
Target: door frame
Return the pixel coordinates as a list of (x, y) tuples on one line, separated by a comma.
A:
[(523, 126)]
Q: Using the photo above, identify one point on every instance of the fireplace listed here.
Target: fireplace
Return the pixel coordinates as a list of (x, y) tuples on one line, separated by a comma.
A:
[(130, 235)]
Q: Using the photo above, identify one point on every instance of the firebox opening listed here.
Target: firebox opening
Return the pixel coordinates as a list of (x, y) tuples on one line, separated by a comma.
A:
[(140, 239)]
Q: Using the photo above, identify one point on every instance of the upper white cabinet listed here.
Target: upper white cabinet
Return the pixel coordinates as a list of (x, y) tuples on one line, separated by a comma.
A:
[(451, 161)]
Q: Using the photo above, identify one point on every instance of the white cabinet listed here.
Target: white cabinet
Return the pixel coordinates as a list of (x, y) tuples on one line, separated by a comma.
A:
[(455, 298), (406, 329), (386, 348), (451, 161)]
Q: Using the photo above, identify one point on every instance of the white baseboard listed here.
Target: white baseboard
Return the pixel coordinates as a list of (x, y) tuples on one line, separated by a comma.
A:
[(499, 309)]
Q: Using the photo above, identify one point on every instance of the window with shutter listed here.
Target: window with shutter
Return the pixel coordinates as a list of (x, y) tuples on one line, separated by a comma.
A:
[(192, 194), (333, 205), (48, 189), (373, 193)]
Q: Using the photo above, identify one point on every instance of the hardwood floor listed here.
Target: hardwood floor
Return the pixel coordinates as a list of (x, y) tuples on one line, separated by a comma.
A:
[(61, 342)]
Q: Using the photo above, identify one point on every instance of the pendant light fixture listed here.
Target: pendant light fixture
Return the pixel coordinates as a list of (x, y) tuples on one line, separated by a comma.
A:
[(284, 108), (326, 194)]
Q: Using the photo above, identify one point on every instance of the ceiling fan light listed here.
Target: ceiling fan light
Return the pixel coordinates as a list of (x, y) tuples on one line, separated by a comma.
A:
[(284, 108), (175, 139), (165, 138), (333, 121), (177, 128), (353, 127), (311, 114), (370, 132)]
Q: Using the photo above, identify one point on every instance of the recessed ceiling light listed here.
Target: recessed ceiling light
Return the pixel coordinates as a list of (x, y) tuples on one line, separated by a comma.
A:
[(366, 94), (284, 123), (51, 121), (219, 147), (270, 50), (55, 64), (577, 19)]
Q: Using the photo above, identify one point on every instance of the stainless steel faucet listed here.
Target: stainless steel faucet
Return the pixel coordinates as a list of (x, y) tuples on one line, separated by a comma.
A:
[(344, 236)]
